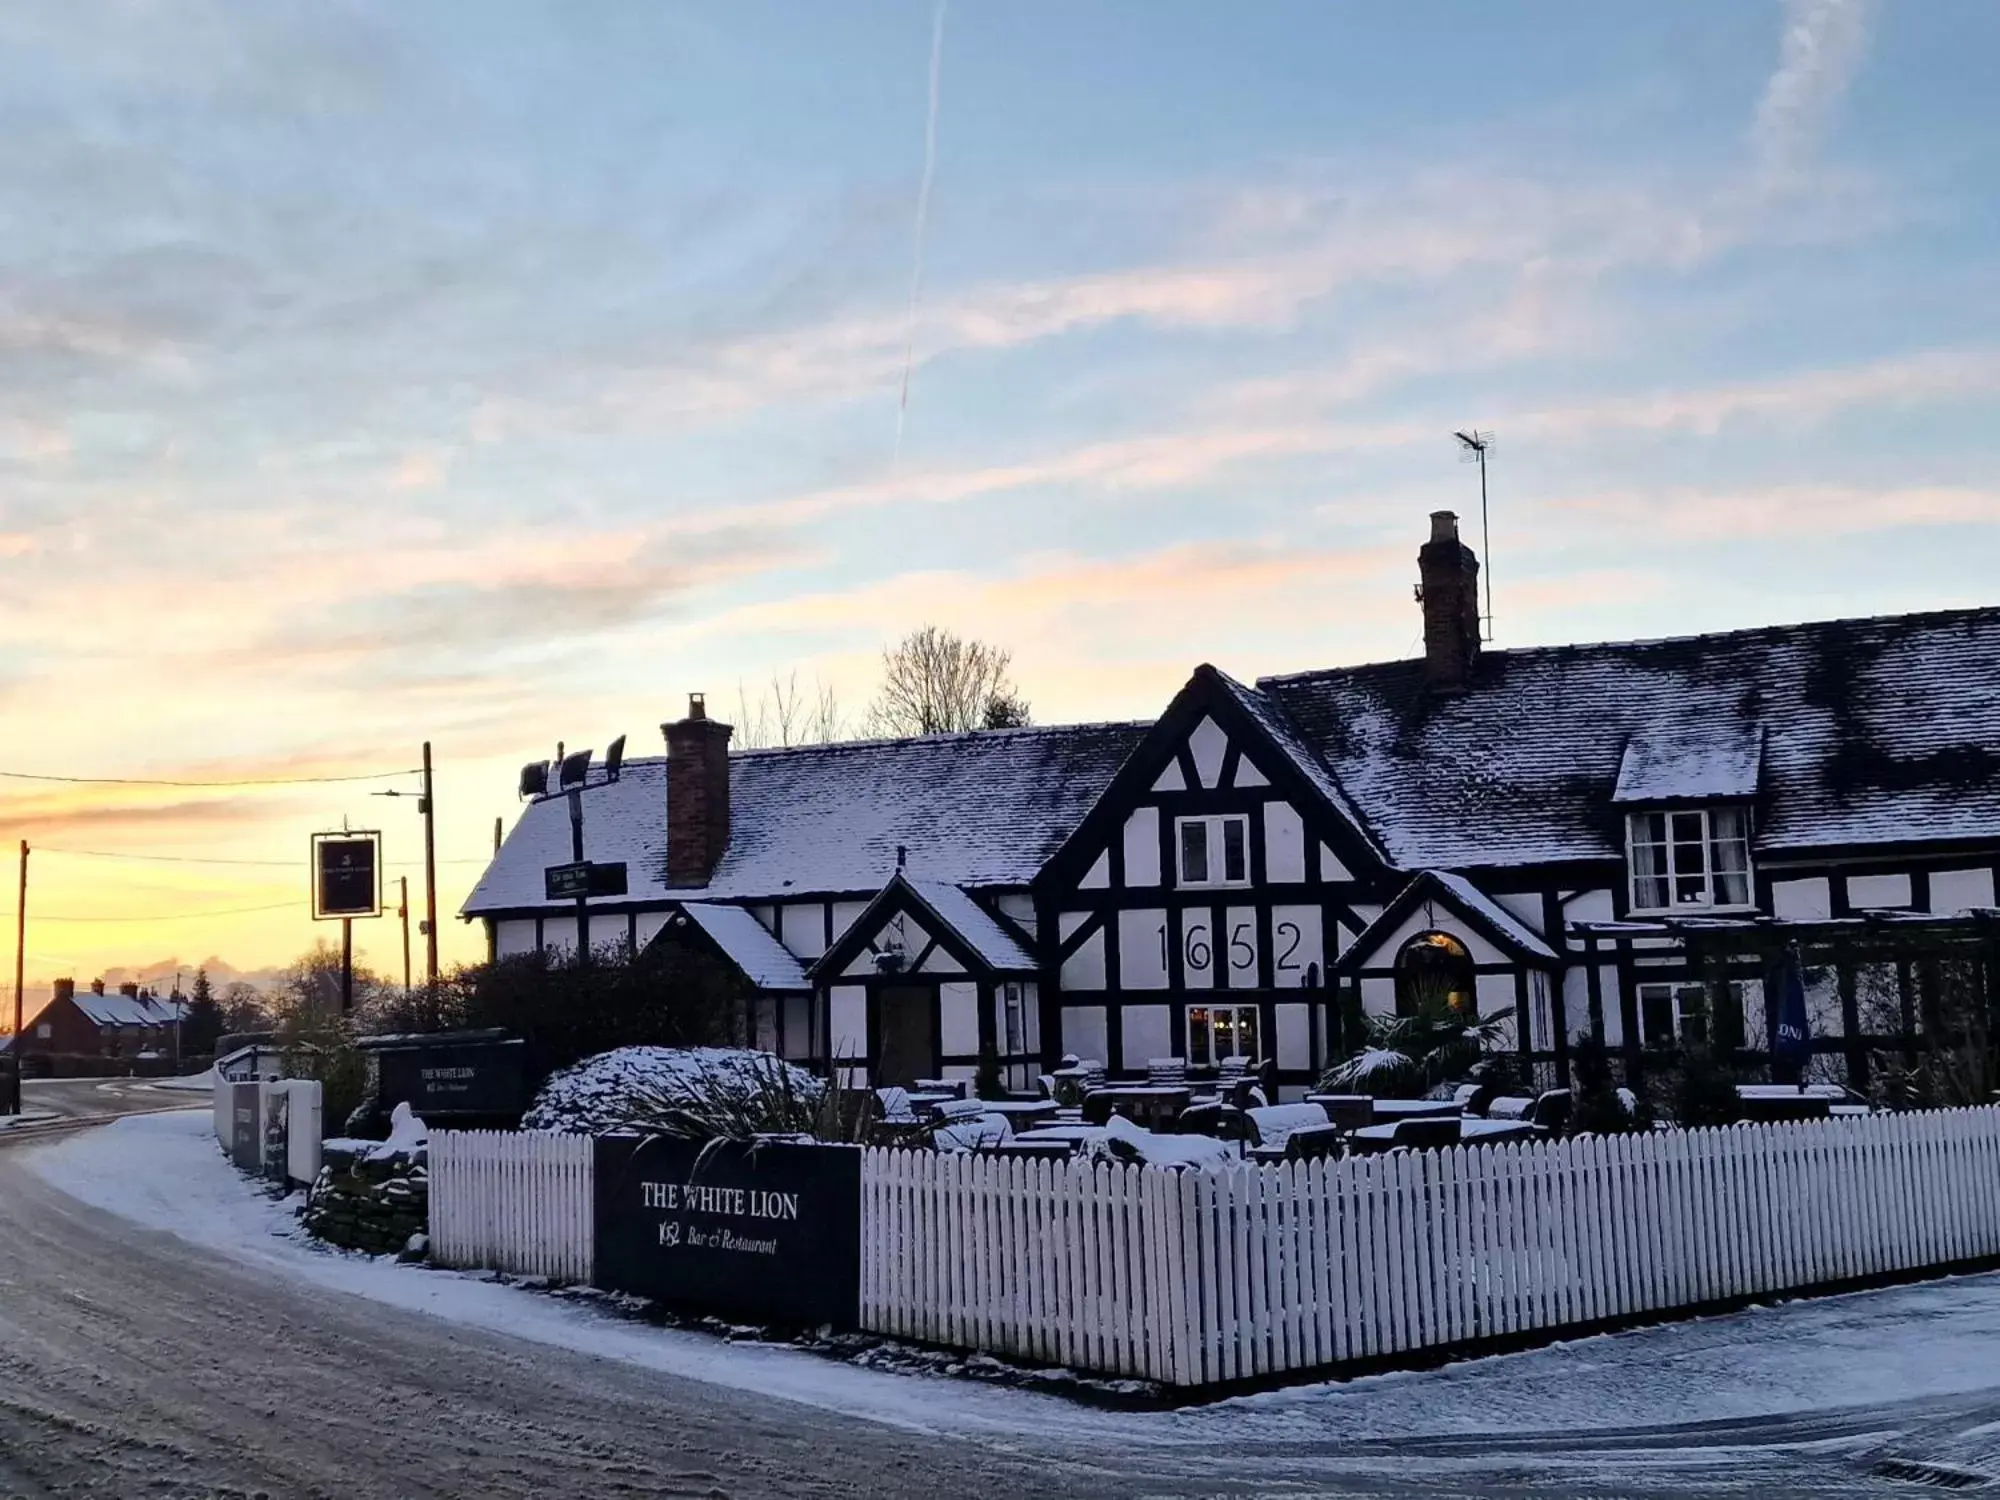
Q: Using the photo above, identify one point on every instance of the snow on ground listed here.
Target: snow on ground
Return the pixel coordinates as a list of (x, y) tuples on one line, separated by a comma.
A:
[(27, 1117), (199, 1083), (1927, 1340)]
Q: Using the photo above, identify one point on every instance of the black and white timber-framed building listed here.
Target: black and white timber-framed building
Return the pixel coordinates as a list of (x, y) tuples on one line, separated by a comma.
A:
[(1581, 838)]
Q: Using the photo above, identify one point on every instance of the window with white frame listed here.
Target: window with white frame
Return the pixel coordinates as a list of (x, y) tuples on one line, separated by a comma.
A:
[(1692, 857), (1015, 1024), (1216, 1032), (1214, 850), (1681, 1014)]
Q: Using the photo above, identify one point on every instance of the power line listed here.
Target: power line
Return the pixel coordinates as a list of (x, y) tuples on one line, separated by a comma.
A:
[(185, 916), (218, 785), (207, 859)]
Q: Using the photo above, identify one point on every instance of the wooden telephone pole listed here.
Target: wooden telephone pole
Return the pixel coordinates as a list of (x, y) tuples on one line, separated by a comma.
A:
[(430, 874)]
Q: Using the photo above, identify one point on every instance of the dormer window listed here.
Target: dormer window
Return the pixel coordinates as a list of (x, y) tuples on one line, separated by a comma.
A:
[(1214, 850), (1689, 859)]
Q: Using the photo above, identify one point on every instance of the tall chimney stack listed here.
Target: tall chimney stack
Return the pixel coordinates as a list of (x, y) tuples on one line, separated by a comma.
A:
[(1449, 593), (697, 794)]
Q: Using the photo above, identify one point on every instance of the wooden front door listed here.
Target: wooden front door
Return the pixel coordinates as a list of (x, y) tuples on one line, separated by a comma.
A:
[(906, 1034)]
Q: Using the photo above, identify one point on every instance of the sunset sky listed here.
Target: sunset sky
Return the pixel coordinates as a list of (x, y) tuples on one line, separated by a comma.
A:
[(497, 373)]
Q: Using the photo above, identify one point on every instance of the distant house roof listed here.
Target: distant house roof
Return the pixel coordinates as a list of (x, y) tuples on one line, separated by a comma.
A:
[(124, 1010), (981, 809), (764, 960), (1873, 731)]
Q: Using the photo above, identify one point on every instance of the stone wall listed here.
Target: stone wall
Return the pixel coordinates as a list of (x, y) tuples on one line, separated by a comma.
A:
[(372, 1196)]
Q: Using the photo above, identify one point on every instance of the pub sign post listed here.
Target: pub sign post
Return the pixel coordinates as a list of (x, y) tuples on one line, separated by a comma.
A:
[(347, 883)]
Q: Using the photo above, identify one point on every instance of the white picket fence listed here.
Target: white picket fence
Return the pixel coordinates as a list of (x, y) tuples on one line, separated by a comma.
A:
[(517, 1202), (1202, 1277)]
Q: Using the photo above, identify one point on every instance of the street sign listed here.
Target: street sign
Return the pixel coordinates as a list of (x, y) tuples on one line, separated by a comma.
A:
[(582, 878), (347, 875), (567, 882)]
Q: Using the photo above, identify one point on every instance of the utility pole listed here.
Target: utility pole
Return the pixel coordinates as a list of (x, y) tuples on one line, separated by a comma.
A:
[(20, 949), (583, 897), (430, 875), (403, 911), (20, 965), (346, 965)]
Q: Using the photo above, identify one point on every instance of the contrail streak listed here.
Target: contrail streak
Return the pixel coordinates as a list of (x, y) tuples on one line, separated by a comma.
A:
[(923, 221)]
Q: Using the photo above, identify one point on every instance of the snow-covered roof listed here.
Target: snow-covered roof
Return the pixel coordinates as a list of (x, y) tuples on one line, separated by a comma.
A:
[(993, 943), (1684, 762), (1473, 905), (1474, 900), (1290, 742), (979, 810), (744, 940), (1877, 730)]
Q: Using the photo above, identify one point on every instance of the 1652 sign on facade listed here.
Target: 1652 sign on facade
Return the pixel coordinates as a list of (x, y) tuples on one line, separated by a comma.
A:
[(770, 1233)]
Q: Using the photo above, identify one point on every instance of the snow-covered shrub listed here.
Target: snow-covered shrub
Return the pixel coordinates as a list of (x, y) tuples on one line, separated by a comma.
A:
[(697, 1093), (1404, 1057)]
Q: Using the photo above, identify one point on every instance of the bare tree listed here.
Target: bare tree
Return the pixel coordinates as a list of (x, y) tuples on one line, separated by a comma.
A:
[(787, 713), (935, 682)]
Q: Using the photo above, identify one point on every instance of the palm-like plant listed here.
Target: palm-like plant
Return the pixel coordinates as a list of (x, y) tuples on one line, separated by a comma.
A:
[(1405, 1057)]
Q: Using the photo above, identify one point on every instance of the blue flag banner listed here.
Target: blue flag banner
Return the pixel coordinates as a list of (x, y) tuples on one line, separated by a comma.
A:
[(1791, 1039)]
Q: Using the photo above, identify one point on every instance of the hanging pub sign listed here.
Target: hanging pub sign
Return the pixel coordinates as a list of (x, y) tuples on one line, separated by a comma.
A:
[(347, 875), (767, 1233)]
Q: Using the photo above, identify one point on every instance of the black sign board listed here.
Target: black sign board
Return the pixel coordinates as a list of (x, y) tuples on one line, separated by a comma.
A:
[(567, 882), (246, 1126), (460, 1078), (770, 1233), (347, 875)]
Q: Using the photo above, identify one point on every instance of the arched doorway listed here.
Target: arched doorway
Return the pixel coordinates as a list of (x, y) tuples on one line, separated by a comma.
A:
[(1434, 978)]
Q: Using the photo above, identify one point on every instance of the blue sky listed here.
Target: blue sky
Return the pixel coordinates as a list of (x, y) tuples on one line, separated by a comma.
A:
[(501, 372)]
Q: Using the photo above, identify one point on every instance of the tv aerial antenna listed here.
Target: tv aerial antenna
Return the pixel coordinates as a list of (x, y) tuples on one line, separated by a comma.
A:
[(1474, 445)]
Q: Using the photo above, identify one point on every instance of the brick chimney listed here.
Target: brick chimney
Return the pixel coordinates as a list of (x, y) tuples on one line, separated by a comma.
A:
[(65, 989), (697, 794), (97, 986), (129, 989), (1449, 593)]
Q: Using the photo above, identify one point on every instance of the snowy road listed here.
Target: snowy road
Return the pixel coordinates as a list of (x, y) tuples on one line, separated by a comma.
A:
[(223, 1360)]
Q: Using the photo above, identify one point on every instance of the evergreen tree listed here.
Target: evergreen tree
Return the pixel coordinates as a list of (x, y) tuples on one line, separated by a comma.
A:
[(201, 1022)]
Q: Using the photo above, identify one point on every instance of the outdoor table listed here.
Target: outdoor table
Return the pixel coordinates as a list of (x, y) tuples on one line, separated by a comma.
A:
[(1415, 1109), (1023, 1114), (1153, 1105), (1080, 1135)]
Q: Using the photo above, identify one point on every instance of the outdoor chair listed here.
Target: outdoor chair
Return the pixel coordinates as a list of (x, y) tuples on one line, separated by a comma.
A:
[(1552, 1111), (1166, 1070), (1428, 1133), (1315, 1143), (1213, 1117)]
